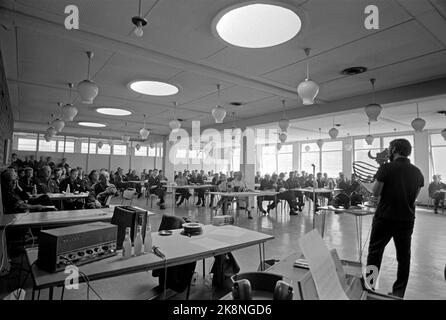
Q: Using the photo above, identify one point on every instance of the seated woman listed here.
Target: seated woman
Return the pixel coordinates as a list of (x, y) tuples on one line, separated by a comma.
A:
[(182, 193), (16, 200)]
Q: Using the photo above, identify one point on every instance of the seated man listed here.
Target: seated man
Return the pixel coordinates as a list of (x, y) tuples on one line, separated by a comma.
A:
[(183, 193), (75, 186), (343, 183), (199, 179), (120, 180), (214, 183), (288, 195), (239, 185), (16, 200), (131, 184), (44, 183), (58, 175), (155, 187), (293, 183), (103, 189), (434, 191)]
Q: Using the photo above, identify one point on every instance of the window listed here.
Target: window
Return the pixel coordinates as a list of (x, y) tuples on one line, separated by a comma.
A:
[(47, 146), (25, 141), (332, 158), (438, 156), (142, 152), (152, 152), (285, 158), (268, 161), (70, 144), (235, 165), (310, 155), (106, 149), (26, 144), (92, 149), (61, 146), (84, 147), (181, 153), (120, 149)]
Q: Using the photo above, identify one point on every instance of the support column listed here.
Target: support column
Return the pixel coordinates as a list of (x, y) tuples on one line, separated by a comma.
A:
[(248, 157), (421, 157)]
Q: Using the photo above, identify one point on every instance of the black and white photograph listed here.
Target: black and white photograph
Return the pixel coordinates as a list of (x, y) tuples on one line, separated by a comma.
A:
[(221, 158)]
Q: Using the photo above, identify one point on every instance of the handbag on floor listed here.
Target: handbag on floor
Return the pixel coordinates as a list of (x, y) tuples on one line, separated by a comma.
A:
[(224, 267)]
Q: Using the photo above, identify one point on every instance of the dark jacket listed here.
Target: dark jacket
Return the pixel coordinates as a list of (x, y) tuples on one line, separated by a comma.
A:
[(47, 186)]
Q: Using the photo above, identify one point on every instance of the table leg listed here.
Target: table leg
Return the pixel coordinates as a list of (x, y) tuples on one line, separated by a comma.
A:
[(263, 252), (358, 220), (173, 200), (33, 294), (204, 269), (51, 293), (260, 256), (324, 216)]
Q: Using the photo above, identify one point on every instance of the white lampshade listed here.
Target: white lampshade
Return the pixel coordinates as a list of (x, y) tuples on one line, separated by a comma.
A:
[(69, 112), (51, 132), (372, 111), (279, 146), (100, 144), (307, 148), (88, 90), (284, 124), (320, 143), (307, 91), (144, 133), (333, 133), (125, 139), (138, 146), (369, 139), (418, 124), (174, 125), (282, 137), (58, 125), (443, 134), (47, 138), (219, 113)]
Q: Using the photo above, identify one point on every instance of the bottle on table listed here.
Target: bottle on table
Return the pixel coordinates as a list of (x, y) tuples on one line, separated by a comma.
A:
[(127, 245), (148, 239), (35, 190), (68, 189), (138, 244)]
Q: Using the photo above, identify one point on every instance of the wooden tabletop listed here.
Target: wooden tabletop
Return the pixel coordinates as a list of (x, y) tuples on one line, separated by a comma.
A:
[(317, 190), (192, 186), (58, 218), (256, 193), (177, 248), (64, 196), (363, 211)]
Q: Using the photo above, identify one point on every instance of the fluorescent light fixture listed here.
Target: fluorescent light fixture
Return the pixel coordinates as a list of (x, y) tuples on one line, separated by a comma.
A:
[(91, 124), (114, 111), (257, 25), (154, 88)]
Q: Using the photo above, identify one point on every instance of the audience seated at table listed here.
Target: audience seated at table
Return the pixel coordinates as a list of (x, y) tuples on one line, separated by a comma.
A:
[(15, 199), (76, 186), (44, 182), (434, 191), (101, 191), (27, 182), (293, 183)]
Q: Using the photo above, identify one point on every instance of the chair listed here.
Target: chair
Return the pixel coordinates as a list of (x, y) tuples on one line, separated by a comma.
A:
[(128, 194)]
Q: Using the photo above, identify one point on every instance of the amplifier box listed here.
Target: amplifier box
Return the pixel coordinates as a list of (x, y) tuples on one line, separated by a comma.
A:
[(132, 217), (76, 245)]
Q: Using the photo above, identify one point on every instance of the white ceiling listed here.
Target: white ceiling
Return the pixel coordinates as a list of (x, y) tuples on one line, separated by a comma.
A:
[(41, 57)]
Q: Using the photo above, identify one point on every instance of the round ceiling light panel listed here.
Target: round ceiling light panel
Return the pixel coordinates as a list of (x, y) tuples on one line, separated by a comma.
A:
[(257, 24), (113, 111), (154, 88), (91, 124)]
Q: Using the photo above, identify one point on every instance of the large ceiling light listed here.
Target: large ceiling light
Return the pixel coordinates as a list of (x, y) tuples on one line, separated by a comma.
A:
[(88, 90), (418, 123), (307, 89), (114, 111), (91, 124), (282, 137), (58, 124), (373, 110), (51, 132), (256, 25), (333, 132), (154, 88)]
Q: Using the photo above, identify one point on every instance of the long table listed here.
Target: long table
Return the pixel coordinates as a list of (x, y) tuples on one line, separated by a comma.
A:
[(189, 186), (358, 213), (177, 248)]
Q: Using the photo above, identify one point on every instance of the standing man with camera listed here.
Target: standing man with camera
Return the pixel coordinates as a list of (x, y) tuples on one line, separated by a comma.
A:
[(398, 184)]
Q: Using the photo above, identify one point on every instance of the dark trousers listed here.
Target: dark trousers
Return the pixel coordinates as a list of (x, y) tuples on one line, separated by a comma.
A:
[(200, 193), (183, 194), (401, 231), (160, 192), (265, 198), (437, 198), (289, 197)]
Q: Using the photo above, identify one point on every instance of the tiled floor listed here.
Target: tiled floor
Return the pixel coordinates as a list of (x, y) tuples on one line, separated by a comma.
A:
[(427, 268)]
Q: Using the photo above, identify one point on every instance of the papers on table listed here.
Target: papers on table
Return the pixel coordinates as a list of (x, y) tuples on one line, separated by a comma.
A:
[(322, 267)]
